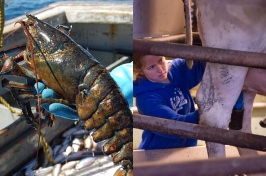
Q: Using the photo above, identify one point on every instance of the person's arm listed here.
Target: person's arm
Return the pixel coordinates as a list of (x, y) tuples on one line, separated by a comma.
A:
[(123, 76), (181, 74), (195, 74), (152, 106)]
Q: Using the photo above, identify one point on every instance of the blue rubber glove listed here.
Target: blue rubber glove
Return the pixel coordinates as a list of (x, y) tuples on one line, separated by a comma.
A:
[(58, 109), (123, 75)]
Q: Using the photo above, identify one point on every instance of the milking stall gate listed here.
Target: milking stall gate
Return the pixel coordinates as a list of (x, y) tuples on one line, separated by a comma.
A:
[(156, 32)]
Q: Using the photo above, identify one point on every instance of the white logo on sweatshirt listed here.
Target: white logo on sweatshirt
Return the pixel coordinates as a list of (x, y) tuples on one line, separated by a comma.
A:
[(178, 100)]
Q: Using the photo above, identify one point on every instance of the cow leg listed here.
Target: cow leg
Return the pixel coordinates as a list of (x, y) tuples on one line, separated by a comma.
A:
[(248, 106), (217, 94), (251, 88)]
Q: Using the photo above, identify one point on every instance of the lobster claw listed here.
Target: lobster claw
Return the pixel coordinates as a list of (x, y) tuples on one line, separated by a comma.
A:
[(9, 61), (7, 65)]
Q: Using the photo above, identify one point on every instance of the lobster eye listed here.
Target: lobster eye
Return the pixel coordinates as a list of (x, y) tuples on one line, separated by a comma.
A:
[(31, 24)]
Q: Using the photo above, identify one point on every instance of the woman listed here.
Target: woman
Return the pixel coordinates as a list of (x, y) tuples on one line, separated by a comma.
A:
[(161, 89)]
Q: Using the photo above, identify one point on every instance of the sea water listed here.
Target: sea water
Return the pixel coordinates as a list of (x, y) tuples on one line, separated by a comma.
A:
[(15, 8)]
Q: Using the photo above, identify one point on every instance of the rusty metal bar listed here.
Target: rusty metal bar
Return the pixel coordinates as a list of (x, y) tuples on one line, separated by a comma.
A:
[(171, 38), (181, 38), (215, 55), (206, 133), (210, 167)]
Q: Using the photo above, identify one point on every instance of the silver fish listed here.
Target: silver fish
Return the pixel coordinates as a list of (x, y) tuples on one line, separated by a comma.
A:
[(69, 132), (59, 158), (85, 162), (69, 150), (43, 171), (56, 149), (56, 169), (69, 165), (77, 144)]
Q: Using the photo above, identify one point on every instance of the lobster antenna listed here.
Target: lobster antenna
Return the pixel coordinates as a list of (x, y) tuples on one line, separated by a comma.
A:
[(41, 137), (36, 78), (10, 33)]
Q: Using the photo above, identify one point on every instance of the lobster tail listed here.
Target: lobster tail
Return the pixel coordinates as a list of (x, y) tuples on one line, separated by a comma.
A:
[(102, 106)]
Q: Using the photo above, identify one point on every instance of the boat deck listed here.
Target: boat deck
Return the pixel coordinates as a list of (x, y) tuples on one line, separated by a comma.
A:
[(103, 28)]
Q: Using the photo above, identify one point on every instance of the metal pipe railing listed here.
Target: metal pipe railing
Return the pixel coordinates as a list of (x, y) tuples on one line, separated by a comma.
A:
[(210, 167), (215, 55), (180, 38), (206, 133)]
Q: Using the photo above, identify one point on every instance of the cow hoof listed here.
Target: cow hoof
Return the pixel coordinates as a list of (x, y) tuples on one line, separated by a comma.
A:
[(263, 123)]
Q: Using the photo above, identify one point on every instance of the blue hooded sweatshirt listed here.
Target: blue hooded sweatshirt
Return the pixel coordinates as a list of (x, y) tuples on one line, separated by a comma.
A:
[(169, 100)]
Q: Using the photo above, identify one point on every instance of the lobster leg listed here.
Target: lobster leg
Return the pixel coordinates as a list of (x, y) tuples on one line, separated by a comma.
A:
[(25, 107), (22, 93)]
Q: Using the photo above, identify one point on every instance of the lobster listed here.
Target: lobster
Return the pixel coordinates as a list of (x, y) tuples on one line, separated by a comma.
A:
[(78, 78)]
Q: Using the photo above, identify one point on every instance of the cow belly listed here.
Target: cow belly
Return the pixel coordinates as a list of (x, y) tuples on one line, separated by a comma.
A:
[(255, 81)]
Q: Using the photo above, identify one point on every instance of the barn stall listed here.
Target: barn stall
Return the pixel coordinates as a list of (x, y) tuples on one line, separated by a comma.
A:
[(166, 36)]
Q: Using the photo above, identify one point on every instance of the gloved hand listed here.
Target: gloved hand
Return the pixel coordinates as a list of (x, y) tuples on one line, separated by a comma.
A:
[(123, 75), (56, 109)]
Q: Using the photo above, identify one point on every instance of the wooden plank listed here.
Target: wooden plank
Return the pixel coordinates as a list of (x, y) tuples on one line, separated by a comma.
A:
[(11, 132)]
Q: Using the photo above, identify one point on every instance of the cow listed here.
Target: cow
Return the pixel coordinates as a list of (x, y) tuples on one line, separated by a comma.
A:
[(237, 25)]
